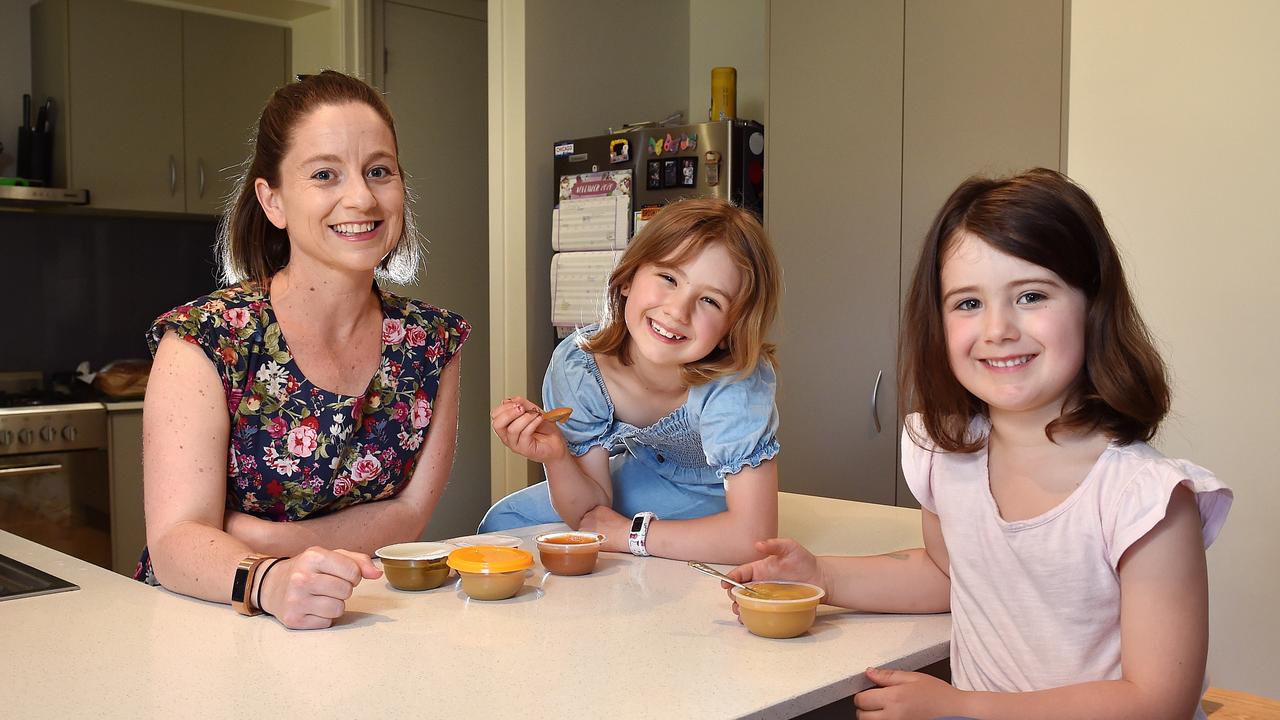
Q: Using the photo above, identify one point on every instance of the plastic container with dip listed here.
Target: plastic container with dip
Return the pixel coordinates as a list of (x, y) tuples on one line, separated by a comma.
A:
[(490, 572), (569, 553), (415, 565), (788, 610)]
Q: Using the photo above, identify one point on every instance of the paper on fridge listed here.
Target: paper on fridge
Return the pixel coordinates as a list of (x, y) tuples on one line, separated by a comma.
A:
[(594, 212), (578, 282)]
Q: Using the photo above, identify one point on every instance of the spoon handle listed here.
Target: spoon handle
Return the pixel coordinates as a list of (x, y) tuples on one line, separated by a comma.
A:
[(708, 570)]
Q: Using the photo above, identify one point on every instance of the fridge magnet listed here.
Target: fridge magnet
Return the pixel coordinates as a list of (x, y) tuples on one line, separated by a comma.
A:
[(688, 142), (669, 145), (564, 148), (619, 150), (655, 145), (688, 171), (670, 173), (653, 179), (712, 159)]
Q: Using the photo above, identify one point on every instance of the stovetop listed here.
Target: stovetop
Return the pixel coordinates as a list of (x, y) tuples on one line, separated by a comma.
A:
[(42, 414), (21, 580), (36, 389)]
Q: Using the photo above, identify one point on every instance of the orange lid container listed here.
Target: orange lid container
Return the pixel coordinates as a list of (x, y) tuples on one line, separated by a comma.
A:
[(488, 559)]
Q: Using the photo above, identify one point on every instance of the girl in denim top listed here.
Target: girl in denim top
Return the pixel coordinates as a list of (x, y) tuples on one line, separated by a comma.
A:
[(673, 431)]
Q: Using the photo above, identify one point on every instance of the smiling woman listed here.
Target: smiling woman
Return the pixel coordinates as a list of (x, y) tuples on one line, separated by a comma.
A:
[(288, 413)]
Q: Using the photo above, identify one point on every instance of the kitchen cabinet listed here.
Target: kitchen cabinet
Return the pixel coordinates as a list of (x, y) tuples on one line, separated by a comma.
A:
[(877, 110), (124, 455), (153, 106)]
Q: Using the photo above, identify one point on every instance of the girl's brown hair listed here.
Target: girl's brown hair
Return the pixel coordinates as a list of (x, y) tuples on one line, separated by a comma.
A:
[(677, 233), (249, 246), (1042, 217)]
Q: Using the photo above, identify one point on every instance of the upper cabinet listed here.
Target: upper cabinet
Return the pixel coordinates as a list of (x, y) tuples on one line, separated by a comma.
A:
[(229, 69), (154, 106)]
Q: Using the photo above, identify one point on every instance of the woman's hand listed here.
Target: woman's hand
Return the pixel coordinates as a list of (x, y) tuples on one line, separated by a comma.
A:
[(310, 590), (615, 528), (904, 695), (785, 559), (518, 423)]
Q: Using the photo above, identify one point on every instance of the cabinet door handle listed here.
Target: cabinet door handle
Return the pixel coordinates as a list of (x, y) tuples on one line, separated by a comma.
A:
[(173, 175), (875, 396), (16, 470), (200, 171)]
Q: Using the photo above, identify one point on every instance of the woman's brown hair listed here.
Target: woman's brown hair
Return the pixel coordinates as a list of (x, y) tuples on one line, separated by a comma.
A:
[(1042, 217), (249, 246), (677, 233)]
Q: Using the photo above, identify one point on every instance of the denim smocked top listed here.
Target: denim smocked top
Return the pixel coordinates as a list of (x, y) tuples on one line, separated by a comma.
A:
[(723, 426)]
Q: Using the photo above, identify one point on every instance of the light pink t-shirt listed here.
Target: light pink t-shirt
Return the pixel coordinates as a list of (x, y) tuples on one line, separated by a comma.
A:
[(1035, 604)]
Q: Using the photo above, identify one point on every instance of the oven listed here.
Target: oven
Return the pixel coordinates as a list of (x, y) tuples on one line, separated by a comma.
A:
[(54, 477)]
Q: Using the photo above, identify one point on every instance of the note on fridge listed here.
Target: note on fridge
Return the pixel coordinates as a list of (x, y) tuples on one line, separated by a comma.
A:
[(578, 282), (594, 212)]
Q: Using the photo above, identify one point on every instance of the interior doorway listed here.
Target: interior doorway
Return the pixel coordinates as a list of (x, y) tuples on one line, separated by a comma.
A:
[(430, 59)]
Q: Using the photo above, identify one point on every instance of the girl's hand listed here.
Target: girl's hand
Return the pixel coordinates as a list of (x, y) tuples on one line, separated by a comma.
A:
[(518, 423), (310, 590), (785, 559), (904, 695), (615, 528)]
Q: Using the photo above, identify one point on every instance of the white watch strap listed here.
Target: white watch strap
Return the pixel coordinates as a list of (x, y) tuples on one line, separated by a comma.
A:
[(636, 540)]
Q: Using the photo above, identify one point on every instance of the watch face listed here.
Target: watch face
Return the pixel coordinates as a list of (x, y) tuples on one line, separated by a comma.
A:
[(637, 523)]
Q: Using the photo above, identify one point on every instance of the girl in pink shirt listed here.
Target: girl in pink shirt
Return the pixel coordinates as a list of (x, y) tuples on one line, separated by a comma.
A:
[(1068, 550)]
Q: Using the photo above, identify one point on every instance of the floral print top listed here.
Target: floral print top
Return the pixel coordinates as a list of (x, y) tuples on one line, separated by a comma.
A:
[(298, 450)]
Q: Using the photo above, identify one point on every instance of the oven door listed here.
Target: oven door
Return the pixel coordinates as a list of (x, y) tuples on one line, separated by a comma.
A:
[(61, 500)]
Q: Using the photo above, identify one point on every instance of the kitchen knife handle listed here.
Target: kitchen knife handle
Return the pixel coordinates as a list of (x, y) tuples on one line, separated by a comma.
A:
[(875, 396), (200, 172), (173, 175)]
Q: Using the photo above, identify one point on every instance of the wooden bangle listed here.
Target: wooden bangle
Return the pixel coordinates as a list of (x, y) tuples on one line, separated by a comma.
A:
[(242, 585)]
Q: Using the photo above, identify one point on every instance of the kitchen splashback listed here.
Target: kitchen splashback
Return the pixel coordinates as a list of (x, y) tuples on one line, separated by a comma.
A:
[(84, 287)]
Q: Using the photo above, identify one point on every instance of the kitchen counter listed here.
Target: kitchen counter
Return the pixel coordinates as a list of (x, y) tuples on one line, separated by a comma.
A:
[(638, 637)]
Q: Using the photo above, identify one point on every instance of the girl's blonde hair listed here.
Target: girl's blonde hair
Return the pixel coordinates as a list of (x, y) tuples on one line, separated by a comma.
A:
[(677, 233)]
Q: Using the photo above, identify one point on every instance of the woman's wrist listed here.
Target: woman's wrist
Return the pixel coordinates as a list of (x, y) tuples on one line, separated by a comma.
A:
[(263, 597)]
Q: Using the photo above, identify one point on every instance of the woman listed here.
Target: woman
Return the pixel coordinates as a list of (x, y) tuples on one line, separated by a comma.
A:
[(266, 442)]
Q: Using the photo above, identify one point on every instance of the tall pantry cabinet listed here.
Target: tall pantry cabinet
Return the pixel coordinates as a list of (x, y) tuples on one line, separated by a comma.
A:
[(877, 110)]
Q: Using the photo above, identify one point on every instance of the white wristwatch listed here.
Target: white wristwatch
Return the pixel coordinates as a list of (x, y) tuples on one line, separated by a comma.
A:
[(640, 531)]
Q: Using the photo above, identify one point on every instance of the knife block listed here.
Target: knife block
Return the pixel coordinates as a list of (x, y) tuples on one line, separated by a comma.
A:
[(41, 170)]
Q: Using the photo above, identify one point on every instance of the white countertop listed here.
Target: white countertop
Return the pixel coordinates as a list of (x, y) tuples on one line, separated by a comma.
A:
[(638, 637)]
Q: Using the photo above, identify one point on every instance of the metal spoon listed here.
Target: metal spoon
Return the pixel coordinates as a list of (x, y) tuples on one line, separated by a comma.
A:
[(708, 570)]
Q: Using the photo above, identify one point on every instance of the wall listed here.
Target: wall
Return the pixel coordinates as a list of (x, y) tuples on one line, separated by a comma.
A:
[(1173, 115), (15, 77), (579, 81), (732, 33)]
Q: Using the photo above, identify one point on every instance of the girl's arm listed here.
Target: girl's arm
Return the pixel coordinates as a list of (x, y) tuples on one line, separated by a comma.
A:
[(185, 439), (577, 484), (729, 537), (1163, 635), (906, 581), (369, 526)]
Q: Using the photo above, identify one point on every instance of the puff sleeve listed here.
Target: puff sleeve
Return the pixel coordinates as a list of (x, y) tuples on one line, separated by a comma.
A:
[(1144, 501), (572, 380), (737, 419), (917, 463)]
